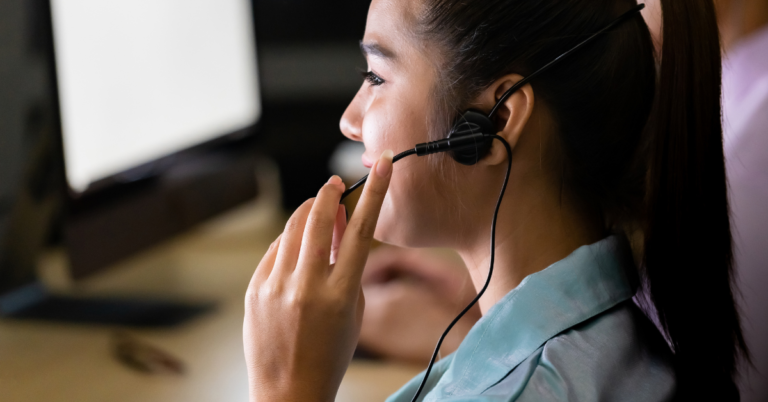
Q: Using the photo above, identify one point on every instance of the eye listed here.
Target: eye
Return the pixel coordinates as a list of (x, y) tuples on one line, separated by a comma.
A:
[(372, 78)]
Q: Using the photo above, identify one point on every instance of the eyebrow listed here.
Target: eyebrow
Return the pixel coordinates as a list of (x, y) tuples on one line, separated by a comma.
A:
[(374, 49)]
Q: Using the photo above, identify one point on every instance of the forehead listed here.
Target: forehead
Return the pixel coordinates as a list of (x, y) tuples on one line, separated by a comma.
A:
[(391, 20)]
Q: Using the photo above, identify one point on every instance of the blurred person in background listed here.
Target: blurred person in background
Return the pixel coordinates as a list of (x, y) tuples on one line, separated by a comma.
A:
[(558, 319)]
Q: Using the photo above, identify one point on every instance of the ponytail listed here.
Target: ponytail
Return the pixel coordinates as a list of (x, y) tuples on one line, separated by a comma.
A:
[(688, 247)]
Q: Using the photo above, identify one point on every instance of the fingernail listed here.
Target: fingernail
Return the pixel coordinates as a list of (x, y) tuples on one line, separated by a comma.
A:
[(384, 166), (334, 180)]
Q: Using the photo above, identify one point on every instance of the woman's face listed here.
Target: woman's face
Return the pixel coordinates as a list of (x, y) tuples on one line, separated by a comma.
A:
[(391, 111)]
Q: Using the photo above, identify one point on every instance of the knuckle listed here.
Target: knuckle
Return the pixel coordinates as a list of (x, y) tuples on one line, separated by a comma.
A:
[(267, 292), (340, 304), (337, 308), (260, 294), (292, 225), (320, 252), (345, 304), (377, 191), (317, 223), (332, 188), (365, 228), (298, 300), (251, 297), (265, 259), (294, 222)]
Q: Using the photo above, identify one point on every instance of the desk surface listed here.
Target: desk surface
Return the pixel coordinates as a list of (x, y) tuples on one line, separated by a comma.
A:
[(59, 362)]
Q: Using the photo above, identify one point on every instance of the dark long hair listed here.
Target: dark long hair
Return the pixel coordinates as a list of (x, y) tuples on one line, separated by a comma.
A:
[(644, 148)]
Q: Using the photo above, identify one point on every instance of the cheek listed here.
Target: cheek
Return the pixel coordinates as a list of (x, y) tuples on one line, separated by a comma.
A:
[(394, 124), (413, 211), (407, 214)]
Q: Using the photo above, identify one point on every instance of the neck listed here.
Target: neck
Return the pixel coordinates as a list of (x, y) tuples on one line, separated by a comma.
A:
[(535, 229)]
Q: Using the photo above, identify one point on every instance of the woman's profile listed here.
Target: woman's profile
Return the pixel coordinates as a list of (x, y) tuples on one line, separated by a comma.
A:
[(616, 189)]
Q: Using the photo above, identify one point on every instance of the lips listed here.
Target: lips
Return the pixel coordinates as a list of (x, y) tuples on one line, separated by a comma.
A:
[(367, 161)]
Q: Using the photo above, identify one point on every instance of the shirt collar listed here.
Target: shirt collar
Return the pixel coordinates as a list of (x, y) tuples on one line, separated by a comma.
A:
[(590, 280)]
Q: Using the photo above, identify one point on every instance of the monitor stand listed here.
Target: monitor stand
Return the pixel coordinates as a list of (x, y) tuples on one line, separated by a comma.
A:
[(35, 302)]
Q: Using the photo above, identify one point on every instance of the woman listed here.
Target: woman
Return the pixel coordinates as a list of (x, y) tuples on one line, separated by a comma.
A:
[(597, 158)]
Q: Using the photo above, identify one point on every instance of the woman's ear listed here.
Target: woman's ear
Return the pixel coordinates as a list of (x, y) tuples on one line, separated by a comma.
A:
[(511, 116)]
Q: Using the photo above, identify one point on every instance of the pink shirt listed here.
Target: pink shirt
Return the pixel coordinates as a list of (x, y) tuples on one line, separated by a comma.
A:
[(745, 118)]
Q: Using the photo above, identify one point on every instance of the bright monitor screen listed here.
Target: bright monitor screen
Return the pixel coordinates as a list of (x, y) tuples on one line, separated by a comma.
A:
[(142, 79)]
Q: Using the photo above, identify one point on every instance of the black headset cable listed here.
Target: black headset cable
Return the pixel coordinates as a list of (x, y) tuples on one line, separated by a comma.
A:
[(490, 268)]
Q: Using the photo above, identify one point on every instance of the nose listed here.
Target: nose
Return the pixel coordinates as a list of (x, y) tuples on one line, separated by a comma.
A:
[(351, 123)]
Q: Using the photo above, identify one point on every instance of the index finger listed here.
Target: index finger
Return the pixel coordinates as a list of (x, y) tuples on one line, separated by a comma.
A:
[(355, 244)]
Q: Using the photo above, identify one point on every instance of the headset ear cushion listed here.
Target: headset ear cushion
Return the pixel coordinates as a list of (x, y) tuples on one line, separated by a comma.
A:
[(472, 122)]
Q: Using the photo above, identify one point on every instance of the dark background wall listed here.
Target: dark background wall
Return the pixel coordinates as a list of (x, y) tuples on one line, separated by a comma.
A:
[(28, 157), (309, 57), (297, 21)]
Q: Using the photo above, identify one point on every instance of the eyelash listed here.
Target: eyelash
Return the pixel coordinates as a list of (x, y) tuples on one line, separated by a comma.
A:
[(372, 78)]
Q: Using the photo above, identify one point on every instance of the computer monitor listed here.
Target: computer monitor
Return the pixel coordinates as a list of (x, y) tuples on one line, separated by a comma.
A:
[(142, 84), (156, 99), (139, 80)]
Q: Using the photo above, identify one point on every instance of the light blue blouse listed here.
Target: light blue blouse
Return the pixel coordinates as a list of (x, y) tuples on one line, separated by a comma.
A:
[(570, 332)]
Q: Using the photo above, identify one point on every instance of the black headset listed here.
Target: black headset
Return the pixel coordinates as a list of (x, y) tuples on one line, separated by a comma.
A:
[(468, 142)]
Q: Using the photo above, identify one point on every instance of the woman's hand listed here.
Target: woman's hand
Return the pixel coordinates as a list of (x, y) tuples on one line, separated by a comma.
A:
[(303, 312)]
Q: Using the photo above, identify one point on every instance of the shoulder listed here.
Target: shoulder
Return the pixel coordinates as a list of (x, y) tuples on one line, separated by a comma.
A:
[(617, 355)]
